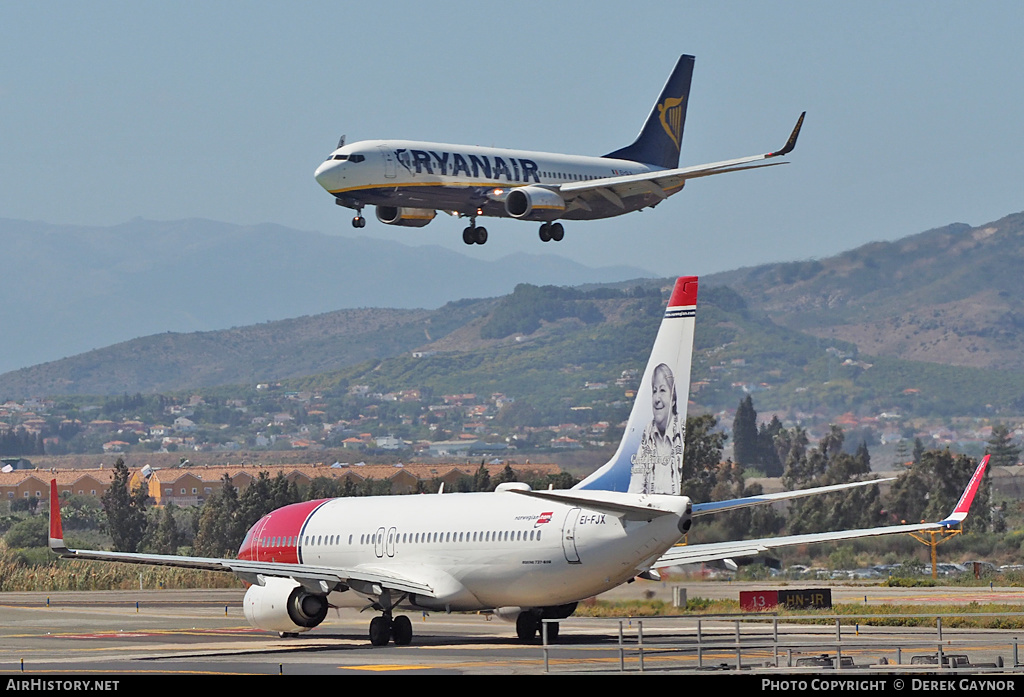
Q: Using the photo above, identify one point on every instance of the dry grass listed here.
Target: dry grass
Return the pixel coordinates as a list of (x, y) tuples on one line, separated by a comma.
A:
[(19, 573)]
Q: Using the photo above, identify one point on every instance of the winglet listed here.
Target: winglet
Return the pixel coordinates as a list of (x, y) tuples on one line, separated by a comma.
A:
[(964, 504), (56, 540), (791, 143)]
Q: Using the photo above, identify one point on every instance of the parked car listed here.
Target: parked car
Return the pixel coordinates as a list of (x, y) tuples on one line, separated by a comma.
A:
[(824, 661)]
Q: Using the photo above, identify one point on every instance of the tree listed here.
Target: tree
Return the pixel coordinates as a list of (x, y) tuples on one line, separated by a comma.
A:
[(31, 532), (1001, 447), (930, 489), (165, 538), (825, 465), (918, 449), (767, 456), (482, 479), (126, 511), (218, 533), (702, 455), (744, 433), (507, 475)]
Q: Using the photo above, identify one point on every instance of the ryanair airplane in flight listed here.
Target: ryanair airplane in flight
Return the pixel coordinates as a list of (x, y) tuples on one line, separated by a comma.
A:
[(409, 181)]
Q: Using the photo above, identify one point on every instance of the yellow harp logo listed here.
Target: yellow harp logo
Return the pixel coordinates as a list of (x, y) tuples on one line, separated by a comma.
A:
[(671, 114)]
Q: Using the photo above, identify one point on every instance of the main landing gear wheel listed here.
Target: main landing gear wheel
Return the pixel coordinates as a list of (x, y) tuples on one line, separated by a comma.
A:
[(401, 631), (384, 629), (551, 231), (527, 625), (380, 631), (474, 235)]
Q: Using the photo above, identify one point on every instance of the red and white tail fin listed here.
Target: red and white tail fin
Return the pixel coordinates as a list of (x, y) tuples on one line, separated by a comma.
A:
[(56, 541), (650, 457), (964, 504)]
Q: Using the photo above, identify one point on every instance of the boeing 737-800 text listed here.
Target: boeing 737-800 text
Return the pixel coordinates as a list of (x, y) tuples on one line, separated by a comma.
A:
[(409, 181), (525, 555)]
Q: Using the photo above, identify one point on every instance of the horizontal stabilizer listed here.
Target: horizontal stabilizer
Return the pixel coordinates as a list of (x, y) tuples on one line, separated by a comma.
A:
[(597, 502)]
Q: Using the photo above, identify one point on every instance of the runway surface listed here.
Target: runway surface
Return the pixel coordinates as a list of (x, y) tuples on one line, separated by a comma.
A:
[(204, 632)]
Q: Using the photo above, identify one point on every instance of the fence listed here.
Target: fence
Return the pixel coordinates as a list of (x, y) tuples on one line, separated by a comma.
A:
[(793, 644)]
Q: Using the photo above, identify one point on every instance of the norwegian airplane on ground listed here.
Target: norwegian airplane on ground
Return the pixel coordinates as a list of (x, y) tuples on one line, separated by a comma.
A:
[(525, 555), (409, 181)]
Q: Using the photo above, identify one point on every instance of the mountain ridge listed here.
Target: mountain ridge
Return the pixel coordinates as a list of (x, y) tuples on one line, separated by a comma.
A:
[(894, 304), (72, 289), (951, 295)]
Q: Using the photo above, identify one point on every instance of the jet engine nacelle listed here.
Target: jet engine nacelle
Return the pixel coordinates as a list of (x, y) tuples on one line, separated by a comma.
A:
[(283, 605), (406, 217), (534, 203), (686, 519)]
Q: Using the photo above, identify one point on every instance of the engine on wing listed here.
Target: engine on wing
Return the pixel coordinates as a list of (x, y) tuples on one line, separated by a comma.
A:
[(686, 520), (406, 217), (283, 605), (534, 203)]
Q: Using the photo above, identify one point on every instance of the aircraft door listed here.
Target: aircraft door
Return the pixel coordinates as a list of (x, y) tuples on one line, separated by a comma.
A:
[(392, 534), (257, 538), (569, 536), (378, 542), (389, 162)]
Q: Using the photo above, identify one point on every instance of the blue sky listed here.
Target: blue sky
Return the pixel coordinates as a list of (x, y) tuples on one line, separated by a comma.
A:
[(222, 110)]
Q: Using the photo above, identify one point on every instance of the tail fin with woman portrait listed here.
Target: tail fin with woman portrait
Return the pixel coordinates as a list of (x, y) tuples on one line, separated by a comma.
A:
[(649, 459)]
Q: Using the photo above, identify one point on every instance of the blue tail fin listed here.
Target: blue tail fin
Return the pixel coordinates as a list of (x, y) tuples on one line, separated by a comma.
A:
[(650, 457), (661, 137)]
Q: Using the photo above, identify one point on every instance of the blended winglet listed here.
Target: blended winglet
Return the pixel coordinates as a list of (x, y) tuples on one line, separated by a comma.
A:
[(964, 504), (791, 143), (56, 540)]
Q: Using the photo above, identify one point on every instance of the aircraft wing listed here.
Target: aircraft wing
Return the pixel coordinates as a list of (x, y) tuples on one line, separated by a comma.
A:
[(691, 554), (306, 574), (732, 504), (663, 183)]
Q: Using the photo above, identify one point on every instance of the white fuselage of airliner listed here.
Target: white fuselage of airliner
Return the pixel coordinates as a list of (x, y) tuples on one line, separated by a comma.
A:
[(475, 550)]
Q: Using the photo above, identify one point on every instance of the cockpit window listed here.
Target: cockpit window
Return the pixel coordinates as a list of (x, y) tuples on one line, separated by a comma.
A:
[(350, 158)]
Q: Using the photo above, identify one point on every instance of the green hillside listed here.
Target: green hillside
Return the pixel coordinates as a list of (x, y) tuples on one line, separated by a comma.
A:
[(952, 295), (925, 326)]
